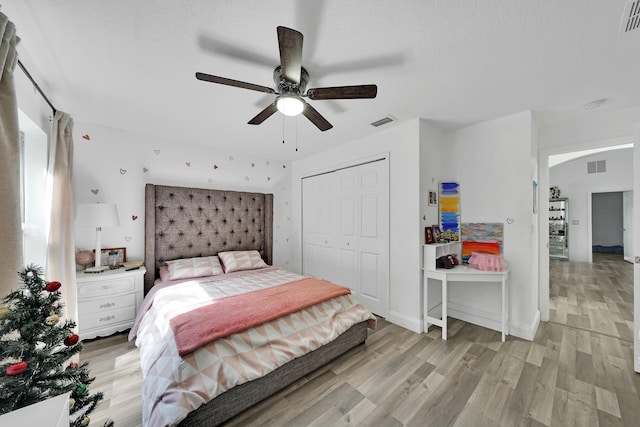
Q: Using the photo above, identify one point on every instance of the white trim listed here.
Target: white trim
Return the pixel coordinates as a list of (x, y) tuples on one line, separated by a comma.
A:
[(406, 322)]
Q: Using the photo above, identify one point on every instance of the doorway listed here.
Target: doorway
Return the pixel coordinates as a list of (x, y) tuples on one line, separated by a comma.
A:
[(602, 281)]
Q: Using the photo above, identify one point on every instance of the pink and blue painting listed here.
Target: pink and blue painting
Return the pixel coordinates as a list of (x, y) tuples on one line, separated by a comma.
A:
[(450, 211)]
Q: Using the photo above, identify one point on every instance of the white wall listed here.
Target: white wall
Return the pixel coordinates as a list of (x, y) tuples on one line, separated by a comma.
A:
[(493, 163), (403, 145), (575, 184), (112, 165)]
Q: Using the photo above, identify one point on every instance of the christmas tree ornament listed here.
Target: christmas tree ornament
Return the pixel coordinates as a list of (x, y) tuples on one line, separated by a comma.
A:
[(4, 312), (71, 340), (52, 319), (17, 368), (85, 421), (72, 402), (72, 365), (81, 390), (52, 286)]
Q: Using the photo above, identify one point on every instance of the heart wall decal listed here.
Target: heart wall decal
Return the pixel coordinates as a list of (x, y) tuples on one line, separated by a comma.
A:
[(134, 217), (123, 171), (86, 136), (95, 191), (510, 220)]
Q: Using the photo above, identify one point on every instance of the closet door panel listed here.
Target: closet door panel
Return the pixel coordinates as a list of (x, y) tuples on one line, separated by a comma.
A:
[(345, 238)]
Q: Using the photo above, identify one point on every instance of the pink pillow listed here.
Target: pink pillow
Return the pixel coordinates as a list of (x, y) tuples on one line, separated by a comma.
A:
[(194, 267), (164, 273), (241, 260)]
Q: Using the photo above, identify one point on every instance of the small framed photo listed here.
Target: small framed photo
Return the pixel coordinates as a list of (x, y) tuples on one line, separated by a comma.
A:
[(436, 233), (104, 255), (433, 198), (428, 235)]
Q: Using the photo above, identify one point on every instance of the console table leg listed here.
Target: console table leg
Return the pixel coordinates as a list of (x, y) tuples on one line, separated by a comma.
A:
[(445, 301)]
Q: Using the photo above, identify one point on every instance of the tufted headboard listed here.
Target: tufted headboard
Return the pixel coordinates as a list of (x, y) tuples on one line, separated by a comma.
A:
[(185, 222)]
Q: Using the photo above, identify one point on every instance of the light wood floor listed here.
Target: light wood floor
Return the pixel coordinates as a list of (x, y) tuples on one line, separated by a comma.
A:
[(595, 297), (568, 376)]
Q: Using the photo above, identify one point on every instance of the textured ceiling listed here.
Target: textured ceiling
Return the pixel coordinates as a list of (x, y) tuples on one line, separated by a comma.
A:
[(131, 64)]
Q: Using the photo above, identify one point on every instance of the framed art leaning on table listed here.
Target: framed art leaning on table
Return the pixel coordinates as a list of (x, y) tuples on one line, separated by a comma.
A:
[(104, 255)]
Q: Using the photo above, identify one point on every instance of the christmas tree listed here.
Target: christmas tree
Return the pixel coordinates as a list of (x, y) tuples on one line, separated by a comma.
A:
[(35, 348)]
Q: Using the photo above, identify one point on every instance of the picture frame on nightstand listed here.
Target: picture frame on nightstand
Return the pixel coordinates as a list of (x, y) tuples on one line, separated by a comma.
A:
[(104, 255)]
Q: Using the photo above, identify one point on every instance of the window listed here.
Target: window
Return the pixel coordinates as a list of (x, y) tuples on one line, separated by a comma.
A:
[(33, 178)]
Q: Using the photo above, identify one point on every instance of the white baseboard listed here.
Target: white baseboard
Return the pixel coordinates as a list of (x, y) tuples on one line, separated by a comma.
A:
[(406, 322), (492, 320), (472, 315)]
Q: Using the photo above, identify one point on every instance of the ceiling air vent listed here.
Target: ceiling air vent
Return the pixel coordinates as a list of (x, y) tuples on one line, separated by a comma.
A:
[(386, 120), (630, 16), (599, 166)]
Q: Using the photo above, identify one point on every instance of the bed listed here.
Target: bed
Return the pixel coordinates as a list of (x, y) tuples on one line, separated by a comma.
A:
[(199, 385)]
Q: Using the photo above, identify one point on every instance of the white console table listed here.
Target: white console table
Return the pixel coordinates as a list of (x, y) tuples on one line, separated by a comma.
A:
[(464, 274)]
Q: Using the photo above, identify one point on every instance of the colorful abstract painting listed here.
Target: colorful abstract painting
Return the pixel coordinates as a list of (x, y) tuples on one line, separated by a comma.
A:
[(482, 237), (450, 211)]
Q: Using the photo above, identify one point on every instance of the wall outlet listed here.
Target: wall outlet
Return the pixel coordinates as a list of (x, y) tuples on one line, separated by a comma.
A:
[(638, 260), (575, 222)]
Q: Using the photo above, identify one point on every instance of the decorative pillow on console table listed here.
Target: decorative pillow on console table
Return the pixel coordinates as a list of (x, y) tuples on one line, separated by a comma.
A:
[(241, 260), (194, 267)]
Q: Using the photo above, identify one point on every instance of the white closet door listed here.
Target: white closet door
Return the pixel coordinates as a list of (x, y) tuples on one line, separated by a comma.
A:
[(318, 233), (345, 223), (373, 233)]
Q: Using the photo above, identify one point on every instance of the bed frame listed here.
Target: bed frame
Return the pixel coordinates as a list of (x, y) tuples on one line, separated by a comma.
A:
[(185, 222)]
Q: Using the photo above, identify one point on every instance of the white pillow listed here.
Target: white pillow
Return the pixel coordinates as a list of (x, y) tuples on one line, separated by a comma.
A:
[(241, 260), (194, 267)]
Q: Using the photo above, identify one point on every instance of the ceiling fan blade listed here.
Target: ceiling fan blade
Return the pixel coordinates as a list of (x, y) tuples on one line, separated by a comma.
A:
[(343, 92), (264, 114), (231, 82), (316, 118), (290, 43)]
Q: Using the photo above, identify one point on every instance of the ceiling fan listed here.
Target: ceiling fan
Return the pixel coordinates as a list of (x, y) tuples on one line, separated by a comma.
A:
[(291, 80)]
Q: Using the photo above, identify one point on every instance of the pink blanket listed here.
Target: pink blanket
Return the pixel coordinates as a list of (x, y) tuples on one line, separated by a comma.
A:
[(225, 316)]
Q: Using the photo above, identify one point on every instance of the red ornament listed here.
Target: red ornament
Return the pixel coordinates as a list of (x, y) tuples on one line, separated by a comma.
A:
[(17, 368), (71, 340), (72, 365), (52, 286)]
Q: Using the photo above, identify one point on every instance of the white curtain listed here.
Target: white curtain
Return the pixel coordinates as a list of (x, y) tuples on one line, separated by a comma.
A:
[(10, 218), (60, 263)]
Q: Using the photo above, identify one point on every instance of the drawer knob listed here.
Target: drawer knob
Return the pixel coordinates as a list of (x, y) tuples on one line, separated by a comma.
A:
[(107, 305), (106, 319)]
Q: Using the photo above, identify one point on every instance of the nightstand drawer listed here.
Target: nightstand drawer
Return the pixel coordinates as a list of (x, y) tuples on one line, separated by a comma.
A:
[(106, 318), (106, 304), (106, 287)]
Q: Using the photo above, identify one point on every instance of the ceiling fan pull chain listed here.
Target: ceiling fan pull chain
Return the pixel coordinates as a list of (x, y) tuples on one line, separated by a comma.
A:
[(282, 128), (296, 134)]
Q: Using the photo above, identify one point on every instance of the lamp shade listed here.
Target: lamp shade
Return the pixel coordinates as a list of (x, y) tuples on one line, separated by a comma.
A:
[(92, 215), (289, 105)]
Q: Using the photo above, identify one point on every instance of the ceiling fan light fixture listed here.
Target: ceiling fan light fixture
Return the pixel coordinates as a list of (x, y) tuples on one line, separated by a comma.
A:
[(290, 105)]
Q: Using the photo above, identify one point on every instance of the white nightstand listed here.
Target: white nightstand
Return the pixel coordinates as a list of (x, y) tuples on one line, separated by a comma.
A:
[(108, 301)]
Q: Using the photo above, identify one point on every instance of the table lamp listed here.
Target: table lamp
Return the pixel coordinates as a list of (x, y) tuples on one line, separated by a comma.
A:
[(97, 215)]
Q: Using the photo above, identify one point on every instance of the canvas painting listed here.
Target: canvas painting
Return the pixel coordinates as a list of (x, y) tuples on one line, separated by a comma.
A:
[(450, 211), (482, 237)]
